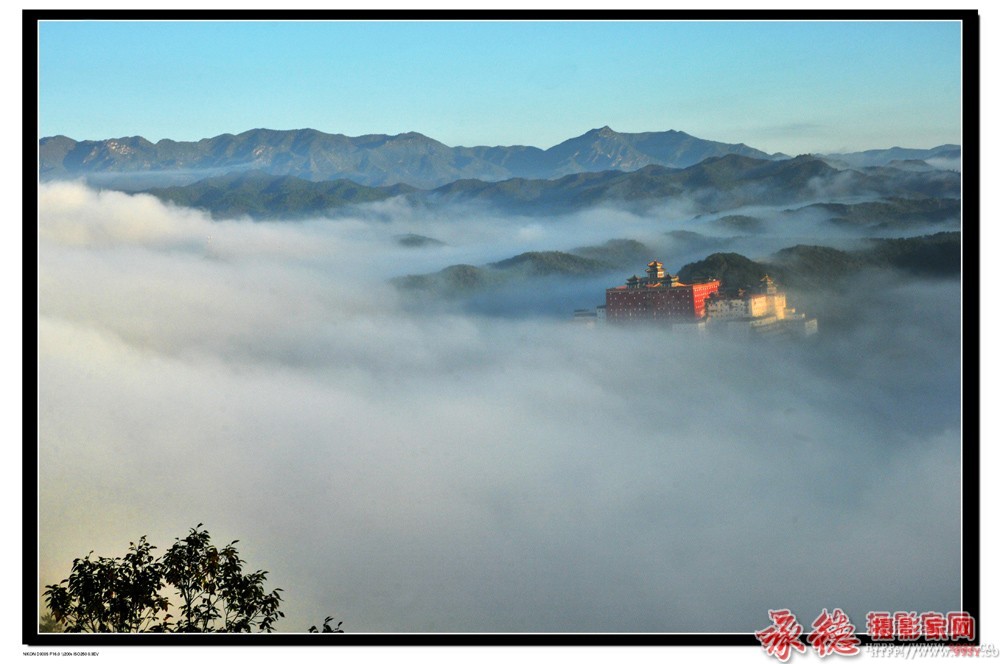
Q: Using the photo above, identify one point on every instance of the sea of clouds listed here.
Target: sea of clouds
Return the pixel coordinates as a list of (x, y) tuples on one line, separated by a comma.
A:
[(440, 470)]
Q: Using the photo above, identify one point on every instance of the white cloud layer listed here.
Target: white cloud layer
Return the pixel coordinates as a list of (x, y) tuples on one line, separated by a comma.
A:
[(444, 472)]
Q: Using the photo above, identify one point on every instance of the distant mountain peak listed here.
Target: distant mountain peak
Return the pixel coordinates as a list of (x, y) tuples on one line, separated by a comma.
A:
[(371, 160)]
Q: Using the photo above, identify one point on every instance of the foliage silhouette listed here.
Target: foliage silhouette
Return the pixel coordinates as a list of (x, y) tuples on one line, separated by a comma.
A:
[(48, 624), (130, 593), (111, 594), (326, 627)]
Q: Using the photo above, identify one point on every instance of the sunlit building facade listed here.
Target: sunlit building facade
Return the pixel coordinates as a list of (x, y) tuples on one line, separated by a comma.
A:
[(760, 312), (657, 297)]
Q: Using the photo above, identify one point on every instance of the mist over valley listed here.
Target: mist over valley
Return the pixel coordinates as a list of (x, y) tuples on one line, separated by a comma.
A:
[(377, 386)]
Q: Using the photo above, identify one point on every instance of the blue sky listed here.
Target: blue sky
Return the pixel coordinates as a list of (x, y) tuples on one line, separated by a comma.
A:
[(784, 86)]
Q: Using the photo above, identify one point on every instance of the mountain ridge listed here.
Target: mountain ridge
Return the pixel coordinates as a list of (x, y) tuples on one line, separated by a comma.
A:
[(804, 267), (376, 159), (717, 183)]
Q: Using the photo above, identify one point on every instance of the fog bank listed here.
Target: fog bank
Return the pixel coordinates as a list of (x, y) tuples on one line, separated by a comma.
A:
[(449, 472)]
